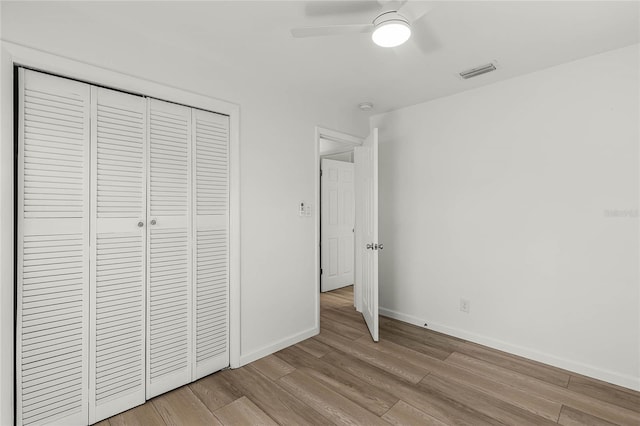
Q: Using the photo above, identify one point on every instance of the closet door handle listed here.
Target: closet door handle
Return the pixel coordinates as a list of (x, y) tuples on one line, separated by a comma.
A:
[(140, 224), (153, 221)]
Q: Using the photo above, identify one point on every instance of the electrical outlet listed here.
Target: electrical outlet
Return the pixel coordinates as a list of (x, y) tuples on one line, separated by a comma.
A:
[(464, 305)]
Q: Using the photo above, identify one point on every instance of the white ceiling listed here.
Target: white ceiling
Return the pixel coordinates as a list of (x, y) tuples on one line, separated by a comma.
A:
[(252, 39)]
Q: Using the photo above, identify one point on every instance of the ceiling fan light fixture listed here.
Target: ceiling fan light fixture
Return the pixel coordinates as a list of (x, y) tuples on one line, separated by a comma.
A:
[(391, 30)]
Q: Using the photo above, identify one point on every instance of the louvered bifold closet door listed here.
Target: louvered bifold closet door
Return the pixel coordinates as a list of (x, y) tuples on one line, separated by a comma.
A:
[(211, 233), (169, 298), (118, 286), (52, 308)]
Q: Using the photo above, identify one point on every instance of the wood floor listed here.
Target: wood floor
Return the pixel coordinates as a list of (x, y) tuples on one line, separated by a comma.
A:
[(412, 376)]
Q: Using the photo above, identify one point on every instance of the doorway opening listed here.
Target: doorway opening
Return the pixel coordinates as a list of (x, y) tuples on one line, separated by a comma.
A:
[(347, 195), (335, 222)]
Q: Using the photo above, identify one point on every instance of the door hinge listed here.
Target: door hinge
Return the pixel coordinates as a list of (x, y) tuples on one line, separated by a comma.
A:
[(320, 172), (320, 271)]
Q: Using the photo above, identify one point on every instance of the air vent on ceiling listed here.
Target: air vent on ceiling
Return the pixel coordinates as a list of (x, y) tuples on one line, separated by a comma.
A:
[(474, 72)]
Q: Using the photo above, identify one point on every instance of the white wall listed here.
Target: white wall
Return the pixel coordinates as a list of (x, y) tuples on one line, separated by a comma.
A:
[(343, 156), (503, 195), (277, 131), (6, 250)]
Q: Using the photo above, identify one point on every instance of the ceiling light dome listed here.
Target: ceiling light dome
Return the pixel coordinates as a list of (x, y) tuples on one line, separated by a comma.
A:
[(391, 29)]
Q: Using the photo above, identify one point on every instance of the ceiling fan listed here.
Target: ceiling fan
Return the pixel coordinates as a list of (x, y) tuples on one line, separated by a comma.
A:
[(390, 27)]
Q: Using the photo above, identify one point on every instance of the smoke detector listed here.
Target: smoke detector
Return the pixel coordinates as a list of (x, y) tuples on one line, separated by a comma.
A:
[(365, 106)]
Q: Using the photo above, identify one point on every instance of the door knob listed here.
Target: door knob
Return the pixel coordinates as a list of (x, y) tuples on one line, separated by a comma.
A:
[(140, 224), (153, 221), (369, 246), (380, 246)]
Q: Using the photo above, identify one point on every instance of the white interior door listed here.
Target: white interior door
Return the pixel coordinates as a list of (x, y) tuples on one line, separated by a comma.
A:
[(118, 247), (366, 168), (169, 267), (211, 233), (337, 224), (52, 303)]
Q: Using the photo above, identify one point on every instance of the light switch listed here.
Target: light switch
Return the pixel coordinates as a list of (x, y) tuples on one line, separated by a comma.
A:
[(304, 210)]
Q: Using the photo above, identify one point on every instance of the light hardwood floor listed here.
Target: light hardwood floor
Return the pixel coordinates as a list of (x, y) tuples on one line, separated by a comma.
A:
[(412, 376)]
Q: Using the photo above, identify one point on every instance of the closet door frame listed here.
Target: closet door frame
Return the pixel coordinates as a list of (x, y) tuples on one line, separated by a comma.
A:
[(14, 55)]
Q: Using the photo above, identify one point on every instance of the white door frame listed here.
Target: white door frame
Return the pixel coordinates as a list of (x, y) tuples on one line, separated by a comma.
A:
[(349, 141), (11, 55)]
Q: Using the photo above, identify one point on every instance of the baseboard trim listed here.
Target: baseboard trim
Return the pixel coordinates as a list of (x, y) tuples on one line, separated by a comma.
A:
[(275, 347), (573, 366)]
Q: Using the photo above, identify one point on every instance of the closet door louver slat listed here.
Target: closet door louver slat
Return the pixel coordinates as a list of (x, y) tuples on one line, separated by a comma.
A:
[(53, 250), (211, 229), (169, 295), (118, 144)]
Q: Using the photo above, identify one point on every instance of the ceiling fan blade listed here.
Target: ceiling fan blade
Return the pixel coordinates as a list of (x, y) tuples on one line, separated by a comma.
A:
[(415, 9), (331, 7), (386, 5), (331, 30)]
